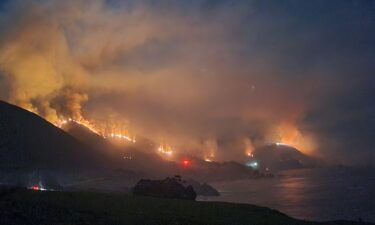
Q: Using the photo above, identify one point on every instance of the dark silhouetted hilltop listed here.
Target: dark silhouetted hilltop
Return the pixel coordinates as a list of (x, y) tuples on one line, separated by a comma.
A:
[(29, 141), (282, 157)]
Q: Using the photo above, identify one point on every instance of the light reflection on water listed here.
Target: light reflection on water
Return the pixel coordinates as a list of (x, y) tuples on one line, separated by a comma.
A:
[(319, 194)]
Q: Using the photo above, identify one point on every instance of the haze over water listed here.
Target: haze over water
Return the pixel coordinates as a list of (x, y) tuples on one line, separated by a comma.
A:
[(312, 194)]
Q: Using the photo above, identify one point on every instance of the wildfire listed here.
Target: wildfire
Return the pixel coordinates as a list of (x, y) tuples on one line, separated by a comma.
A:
[(124, 137), (94, 128), (290, 135), (250, 154), (81, 121), (165, 150), (249, 148), (208, 160), (210, 149)]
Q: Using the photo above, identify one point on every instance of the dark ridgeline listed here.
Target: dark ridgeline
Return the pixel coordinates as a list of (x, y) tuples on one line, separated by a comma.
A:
[(277, 157), (144, 150), (30, 144)]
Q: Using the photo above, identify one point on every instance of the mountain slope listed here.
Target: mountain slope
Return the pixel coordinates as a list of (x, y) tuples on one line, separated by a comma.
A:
[(142, 157), (29, 141), (133, 156), (281, 157)]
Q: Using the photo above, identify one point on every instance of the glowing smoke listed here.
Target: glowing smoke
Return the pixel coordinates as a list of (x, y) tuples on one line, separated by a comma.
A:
[(172, 78), (188, 74)]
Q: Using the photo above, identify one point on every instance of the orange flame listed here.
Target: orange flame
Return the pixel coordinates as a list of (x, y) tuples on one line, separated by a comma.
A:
[(97, 130), (165, 150), (289, 134)]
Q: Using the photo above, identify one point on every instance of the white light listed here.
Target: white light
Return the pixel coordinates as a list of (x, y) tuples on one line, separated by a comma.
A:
[(252, 164), (250, 154), (281, 144)]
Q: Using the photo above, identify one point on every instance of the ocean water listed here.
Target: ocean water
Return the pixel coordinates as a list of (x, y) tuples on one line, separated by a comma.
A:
[(312, 194)]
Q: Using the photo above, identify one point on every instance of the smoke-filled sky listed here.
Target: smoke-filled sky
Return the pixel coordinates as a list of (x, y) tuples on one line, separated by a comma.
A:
[(211, 76)]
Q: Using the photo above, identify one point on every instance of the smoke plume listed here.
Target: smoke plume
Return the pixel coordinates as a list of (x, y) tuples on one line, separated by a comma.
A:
[(213, 78)]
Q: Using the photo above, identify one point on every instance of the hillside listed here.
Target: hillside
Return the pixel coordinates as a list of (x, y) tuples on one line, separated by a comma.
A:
[(31, 147), (276, 157), (29, 143), (138, 153), (24, 207)]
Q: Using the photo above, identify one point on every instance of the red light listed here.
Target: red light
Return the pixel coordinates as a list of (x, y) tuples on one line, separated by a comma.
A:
[(35, 188), (186, 163)]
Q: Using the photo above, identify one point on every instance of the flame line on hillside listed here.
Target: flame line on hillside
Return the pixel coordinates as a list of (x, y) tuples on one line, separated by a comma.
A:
[(89, 125)]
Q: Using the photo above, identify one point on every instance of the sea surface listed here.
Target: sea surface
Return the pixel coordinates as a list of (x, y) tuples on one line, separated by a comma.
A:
[(314, 194)]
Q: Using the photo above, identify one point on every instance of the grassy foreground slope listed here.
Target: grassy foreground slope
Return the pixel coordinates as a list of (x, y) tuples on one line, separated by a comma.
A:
[(29, 207)]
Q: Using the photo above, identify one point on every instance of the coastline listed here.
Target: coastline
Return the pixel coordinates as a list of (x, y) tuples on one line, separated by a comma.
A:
[(38, 207)]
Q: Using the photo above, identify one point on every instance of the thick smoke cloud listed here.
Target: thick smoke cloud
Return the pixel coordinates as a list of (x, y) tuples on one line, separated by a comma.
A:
[(208, 77)]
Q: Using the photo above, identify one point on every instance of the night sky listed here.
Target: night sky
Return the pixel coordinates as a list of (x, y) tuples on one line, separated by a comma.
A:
[(201, 73)]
